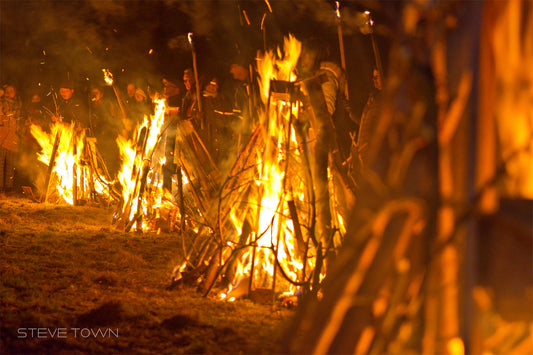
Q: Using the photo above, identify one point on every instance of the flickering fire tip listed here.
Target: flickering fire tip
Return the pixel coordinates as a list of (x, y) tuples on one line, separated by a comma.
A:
[(108, 77), (369, 20), (337, 11), (268, 5)]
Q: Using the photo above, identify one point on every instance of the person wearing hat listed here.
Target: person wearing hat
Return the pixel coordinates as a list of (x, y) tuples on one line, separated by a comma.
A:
[(220, 121), (172, 92), (67, 107), (173, 99), (30, 171), (106, 125), (142, 107), (190, 101), (130, 102), (245, 98)]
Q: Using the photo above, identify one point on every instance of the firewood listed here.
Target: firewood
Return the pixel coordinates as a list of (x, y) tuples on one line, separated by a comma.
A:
[(51, 165)]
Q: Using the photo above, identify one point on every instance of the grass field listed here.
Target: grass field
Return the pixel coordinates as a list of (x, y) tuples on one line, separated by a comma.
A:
[(72, 284)]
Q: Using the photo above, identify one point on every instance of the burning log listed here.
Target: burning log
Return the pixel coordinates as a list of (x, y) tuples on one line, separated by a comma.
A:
[(51, 164), (138, 174)]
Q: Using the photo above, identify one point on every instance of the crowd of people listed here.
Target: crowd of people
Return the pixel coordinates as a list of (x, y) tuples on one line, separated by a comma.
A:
[(222, 121), (106, 113)]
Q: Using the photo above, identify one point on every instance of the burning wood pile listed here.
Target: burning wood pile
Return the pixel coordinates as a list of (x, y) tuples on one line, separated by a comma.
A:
[(274, 224), (261, 229), (260, 235), (76, 171)]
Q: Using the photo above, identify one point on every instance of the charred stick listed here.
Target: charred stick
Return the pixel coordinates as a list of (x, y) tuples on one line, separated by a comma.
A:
[(120, 103)]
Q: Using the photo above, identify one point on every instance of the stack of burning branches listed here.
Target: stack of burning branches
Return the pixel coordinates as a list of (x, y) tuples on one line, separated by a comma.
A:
[(76, 172), (260, 231), (261, 239)]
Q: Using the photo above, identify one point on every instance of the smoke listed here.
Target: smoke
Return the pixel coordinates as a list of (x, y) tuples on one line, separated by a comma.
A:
[(48, 40), (201, 16), (179, 43), (317, 17)]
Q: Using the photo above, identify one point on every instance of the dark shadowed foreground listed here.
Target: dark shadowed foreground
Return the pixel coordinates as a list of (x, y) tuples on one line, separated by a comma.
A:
[(70, 284)]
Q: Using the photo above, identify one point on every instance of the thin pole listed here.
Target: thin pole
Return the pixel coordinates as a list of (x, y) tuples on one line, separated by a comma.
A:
[(341, 45), (195, 68)]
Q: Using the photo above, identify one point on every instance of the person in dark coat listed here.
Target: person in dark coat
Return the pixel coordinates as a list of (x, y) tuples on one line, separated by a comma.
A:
[(220, 121), (106, 126), (173, 99), (68, 108)]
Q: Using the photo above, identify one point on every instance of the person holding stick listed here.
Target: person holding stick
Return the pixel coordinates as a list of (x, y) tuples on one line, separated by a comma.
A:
[(67, 107), (190, 102), (246, 102), (173, 99), (106, 125)]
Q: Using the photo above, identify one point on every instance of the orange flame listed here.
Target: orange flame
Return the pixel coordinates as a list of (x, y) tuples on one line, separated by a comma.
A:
[(273, 236), (68, 160), (138, 158), (108, 77)]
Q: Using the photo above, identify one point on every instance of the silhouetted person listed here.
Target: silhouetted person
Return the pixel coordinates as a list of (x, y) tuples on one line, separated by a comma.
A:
[(68, 108), (142, 107), (245, 98), (173, 98), (219, 120), (189, 106), (106, 126), (10, 117)]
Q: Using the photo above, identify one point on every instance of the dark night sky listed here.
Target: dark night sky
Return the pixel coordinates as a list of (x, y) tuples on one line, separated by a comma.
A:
[(44, 41)]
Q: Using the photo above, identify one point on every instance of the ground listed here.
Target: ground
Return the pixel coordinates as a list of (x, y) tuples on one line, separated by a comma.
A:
[(72, 284)]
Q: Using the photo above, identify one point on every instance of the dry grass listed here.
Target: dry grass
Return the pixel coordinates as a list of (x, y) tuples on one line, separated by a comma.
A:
[(66, 267)]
